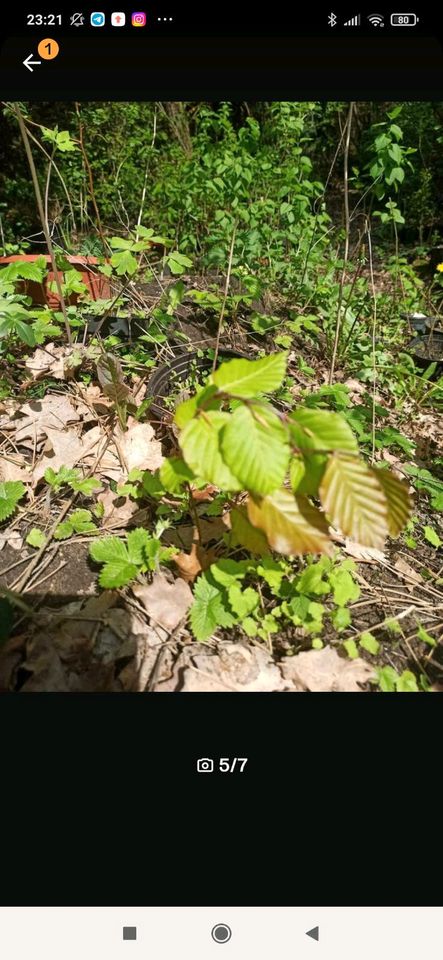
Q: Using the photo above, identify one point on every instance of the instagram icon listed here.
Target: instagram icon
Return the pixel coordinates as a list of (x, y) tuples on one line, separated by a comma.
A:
[(138, 19)]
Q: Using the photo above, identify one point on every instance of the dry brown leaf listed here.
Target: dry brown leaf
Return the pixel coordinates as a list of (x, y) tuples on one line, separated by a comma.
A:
[(16, 469), (205, 495), (166, 603), (234, 667), (408, 572), (325, 671), (118, 510), (363, 554), (62, 448), (191, 564), (48, 359), (52, 412), (139, 447)]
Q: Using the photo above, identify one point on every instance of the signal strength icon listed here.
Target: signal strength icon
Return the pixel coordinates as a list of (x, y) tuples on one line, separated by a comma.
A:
[(353, 22)]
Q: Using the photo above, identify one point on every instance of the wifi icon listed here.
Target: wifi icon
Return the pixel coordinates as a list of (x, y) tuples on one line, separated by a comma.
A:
[(376, 20)]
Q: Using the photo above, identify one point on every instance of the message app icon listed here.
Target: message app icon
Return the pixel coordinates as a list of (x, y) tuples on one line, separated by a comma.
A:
[(97, 19), (138, 19)]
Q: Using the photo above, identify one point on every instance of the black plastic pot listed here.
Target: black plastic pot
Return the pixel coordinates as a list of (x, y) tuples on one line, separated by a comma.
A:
[(426, 349), (167, 378)]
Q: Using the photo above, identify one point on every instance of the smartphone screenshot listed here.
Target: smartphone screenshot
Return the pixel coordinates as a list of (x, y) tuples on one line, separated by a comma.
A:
[(221, 481)]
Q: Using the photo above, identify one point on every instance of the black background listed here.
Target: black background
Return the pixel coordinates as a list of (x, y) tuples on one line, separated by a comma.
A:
[(100, 801)]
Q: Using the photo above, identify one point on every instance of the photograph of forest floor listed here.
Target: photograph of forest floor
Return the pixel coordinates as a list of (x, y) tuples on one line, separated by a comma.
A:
[(221, 395)]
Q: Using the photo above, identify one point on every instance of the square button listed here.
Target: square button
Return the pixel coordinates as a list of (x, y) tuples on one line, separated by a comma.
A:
[(129, 933)]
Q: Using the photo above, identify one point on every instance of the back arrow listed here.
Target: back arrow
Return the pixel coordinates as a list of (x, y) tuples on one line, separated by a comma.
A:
[(28, 61)]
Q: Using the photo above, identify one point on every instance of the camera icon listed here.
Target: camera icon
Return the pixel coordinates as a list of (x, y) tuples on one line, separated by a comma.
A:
[(205, 765)]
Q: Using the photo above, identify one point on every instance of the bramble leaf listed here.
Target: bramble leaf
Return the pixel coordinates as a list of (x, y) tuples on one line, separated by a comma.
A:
[(10, 493), (208, 610)]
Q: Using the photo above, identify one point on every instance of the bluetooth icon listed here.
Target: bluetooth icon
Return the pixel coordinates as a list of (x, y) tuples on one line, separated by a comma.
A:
[(332, 20)]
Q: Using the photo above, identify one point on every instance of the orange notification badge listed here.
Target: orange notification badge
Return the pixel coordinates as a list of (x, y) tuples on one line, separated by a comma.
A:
[(48, 49)]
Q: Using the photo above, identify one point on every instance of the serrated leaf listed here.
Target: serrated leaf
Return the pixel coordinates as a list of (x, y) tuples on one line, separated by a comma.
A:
[(341, 618), (369, 643), (63, 531), (124, 262), (355, 501), (200, 445), (81, 521), (117, 573), (243, 602), (407, 683), (351, 649), (174, 474), (85, 486), (322, 430), (255, 445), (36, 538), (110, 377), (247, 378), (245, 534), (108, 549), (399, 502), (297, 471), (227, 571), (187, 410), (432, 537), (208, 610), (345, 589), (138, 541), (291, 524), (10, 493)]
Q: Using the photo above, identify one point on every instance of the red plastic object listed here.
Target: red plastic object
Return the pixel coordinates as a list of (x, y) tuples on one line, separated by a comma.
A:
[(41, 294)]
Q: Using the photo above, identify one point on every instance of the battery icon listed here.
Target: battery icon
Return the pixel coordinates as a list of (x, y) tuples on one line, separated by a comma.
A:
[(404, 19)]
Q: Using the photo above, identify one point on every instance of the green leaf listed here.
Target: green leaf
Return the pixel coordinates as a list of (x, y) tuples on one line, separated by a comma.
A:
[(25, 332), (432, 537), (245, 534), (108, 549), (117, 573), (291, 524), (354, 500), (63, 531), (297, 471), (139, 541), (312, 580), (425, 637), (255, 447), (10, 493), (341, 618), (227, 571), (247, 378), (85, 486), (200, 445), (208, 610), (351, 649), (369, 643), (81, 521), (407, 683), (174, 474), (345, 589), (187, 410), (387, 679), (322, 430), (36, 538), (243, 602), (124, 262)]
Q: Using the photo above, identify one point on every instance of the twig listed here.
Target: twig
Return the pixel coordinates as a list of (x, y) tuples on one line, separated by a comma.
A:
[(145, 181), (225, 295), (41, 213), (347, 240)]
